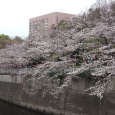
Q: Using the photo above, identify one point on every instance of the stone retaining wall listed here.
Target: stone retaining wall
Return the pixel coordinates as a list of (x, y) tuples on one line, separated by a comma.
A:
[(74, 101)]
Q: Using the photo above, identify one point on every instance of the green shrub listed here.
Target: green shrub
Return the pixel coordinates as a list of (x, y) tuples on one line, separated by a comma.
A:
[(84, 45), (104, 64), (91, 49), (52, 73), (86, 74), (96, 41), (61, 23)]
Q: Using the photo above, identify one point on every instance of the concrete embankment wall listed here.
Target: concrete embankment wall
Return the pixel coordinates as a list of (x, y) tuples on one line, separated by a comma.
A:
[(74, 101), (11, 88)]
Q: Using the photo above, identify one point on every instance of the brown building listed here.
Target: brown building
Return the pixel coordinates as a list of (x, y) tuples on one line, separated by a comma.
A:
[(41, 24)]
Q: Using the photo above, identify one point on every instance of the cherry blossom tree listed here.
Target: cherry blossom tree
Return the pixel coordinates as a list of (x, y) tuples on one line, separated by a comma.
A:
[(78, 45)]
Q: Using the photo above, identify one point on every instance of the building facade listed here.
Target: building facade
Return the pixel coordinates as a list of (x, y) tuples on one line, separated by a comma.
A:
[(40, 25)]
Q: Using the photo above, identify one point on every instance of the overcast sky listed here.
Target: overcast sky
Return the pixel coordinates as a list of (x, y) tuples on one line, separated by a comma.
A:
[(15, 14)]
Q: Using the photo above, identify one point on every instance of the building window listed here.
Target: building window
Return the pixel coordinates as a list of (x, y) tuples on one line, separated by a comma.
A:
[(46, 20), (38, 22), (42, 21), (33, 26), (36, 26), (66, 19), (30, 25)]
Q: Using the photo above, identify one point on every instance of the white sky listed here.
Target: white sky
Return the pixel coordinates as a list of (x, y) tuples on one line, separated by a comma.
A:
[(15, 14)]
